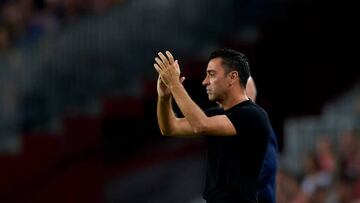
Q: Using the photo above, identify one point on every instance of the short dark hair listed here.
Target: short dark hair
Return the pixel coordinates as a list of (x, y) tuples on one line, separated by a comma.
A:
[(233, 60)]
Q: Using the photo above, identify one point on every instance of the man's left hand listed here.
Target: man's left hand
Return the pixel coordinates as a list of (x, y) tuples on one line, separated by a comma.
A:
[(168, 69)]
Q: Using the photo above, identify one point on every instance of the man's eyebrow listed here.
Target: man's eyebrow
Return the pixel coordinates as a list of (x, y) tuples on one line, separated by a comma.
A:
[(210, 71)]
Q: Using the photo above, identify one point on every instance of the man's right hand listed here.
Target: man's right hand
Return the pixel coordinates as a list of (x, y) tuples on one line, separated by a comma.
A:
[(164, 91)]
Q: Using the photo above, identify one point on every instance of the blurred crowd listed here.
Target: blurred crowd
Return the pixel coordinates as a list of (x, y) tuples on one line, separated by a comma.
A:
[(331, 173), (23, 21)]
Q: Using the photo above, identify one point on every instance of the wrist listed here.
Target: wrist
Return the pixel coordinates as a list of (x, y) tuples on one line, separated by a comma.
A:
[(164, 97), (175, 84)]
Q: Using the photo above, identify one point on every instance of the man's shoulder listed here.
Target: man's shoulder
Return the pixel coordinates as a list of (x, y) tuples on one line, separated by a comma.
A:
[(216, 110), (246, 106)]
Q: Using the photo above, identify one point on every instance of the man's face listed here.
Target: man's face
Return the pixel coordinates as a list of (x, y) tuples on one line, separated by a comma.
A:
[(216, 82)]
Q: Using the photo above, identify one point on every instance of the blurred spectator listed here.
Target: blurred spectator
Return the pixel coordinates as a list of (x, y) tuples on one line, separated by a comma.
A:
[(344, 191), (349, 155), (314, 177), (267, 191), (325, 155), (28, 20), (288, 189), (320, 195)]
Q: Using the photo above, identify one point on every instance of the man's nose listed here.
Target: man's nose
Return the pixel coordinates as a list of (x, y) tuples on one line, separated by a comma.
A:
[(205, 82)]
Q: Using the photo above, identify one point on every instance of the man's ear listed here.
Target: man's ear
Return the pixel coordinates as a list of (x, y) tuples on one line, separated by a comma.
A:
[(234, 75)]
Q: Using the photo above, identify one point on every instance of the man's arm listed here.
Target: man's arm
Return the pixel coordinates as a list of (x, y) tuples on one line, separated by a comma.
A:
[(197, 119), (169, 124), (219, 125)]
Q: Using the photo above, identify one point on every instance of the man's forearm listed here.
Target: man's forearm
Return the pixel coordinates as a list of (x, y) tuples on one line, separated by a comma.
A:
[(165, 114), (191, 111)]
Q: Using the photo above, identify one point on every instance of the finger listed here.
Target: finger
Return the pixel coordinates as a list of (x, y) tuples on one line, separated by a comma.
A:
[(158, 69), (170, 56), (176, 64), (160, 63), (163, 58)]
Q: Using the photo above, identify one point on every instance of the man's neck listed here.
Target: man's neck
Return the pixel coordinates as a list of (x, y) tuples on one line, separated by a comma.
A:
[(232, 101)]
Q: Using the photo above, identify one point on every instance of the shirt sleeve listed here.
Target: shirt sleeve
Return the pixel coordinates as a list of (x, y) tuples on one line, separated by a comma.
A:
[(241, 120), (214, 111)]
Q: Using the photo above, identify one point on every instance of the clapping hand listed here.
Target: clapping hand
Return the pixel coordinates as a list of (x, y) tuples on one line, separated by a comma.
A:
[(169, 73)]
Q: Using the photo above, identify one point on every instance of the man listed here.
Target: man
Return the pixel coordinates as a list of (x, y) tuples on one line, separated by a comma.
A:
[(237, 133), (251, 90), (268, 173)]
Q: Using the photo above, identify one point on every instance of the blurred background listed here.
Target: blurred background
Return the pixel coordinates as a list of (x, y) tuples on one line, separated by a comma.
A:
[(78, 96)]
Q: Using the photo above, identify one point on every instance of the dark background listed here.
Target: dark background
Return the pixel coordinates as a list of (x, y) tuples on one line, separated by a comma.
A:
[(306, 58)]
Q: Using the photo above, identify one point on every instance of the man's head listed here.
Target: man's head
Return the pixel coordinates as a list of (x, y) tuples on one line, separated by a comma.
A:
[(251, 89), (226, 68), (233, 61)]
